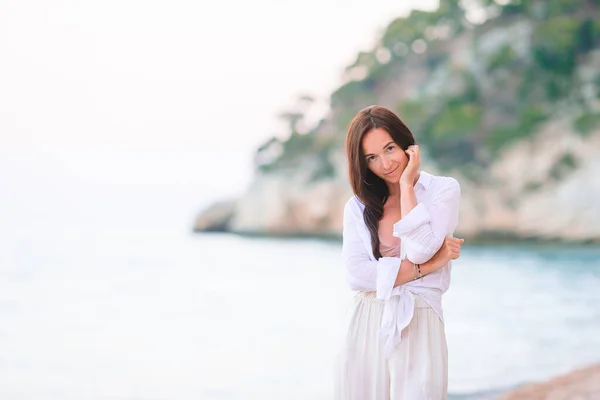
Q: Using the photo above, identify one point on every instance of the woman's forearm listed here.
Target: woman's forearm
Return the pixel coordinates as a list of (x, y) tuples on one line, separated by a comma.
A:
[(408, 200), (406, 273)]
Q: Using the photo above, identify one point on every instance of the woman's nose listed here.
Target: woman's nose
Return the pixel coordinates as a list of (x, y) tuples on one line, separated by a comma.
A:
[(385, 163)]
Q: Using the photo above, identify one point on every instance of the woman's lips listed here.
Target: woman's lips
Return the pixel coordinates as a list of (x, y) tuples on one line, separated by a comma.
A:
[(389, 173)]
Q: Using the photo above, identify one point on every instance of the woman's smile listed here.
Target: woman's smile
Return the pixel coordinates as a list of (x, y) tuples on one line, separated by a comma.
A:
[(391, 172)]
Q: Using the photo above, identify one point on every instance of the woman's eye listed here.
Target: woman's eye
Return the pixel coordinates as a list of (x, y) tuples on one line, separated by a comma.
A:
[(391, 148), (370, 159)]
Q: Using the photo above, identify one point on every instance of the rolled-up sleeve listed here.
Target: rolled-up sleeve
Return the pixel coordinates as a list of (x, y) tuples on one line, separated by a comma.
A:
[(362, 272), (423, 229)]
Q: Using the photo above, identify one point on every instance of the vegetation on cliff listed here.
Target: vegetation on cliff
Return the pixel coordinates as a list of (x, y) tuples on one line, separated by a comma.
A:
[(495, 70)]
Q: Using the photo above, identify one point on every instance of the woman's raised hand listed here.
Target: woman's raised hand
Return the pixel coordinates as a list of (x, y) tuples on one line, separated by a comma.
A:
[(409, 175)]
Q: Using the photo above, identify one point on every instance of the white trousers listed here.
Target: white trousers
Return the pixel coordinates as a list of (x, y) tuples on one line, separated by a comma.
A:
[(417, 369)]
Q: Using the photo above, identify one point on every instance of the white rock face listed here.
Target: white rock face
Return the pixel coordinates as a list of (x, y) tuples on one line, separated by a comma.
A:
[(570, 207), (287, 204), (520, 198), (557, 208)]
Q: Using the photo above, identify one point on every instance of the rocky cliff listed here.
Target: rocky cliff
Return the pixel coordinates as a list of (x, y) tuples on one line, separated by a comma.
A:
[(508, 102)]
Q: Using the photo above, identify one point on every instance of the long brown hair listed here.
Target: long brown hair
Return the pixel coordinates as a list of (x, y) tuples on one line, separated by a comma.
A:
[(371, 190)]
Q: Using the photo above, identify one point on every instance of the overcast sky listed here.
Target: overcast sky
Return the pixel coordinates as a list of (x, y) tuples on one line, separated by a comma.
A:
[(141, 91)]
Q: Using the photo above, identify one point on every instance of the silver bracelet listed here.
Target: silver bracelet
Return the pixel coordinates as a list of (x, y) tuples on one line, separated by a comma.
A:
[(414, 272), (419, 269)]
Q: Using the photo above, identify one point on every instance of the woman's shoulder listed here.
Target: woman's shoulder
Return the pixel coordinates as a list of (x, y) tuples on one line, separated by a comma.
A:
[(444, 184), (354, 205), (447, 180)]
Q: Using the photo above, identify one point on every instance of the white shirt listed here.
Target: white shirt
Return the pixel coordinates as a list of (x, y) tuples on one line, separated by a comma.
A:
[(421, 234)]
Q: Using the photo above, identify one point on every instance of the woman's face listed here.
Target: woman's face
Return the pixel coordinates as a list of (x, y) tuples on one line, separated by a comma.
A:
[(384, 157)]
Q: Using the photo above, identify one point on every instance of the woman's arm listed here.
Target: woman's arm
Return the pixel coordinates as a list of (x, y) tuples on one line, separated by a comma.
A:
[(375, 275), (450, 250), (408, 200), (362, 273), (423, 228)]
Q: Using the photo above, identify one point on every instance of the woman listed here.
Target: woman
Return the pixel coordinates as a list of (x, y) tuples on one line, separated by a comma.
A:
[(397, 250)]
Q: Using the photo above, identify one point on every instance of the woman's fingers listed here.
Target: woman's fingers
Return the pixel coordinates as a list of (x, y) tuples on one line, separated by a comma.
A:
[(454, 242), (452, 247), (414, 155)]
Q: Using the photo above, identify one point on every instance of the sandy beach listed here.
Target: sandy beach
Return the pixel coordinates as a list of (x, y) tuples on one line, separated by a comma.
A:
[(581, 384)]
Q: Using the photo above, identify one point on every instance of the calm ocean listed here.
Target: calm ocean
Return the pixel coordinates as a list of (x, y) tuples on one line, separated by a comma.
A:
[(171, 315)]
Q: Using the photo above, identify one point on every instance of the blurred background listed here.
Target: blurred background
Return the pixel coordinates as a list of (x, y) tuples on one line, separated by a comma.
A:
[(172, 181)]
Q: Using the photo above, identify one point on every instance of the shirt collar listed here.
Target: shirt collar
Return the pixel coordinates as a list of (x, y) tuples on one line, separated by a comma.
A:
[(424, 179)]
